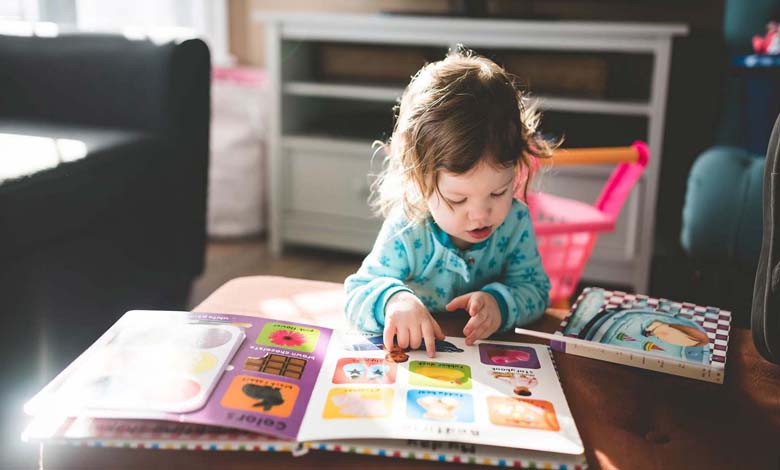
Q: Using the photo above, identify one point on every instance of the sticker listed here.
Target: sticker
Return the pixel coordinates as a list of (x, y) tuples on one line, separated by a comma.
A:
[(435, 405), (364, 370), (509, 356), (439, 374), (521, 382), (522, 413), (396, 355), (355, 342), (261, 395), (293, 337), (276, 364), (371, 403)]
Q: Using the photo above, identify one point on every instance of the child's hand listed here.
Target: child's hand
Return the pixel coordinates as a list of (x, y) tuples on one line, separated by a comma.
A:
[(485, 314), (407, 319)]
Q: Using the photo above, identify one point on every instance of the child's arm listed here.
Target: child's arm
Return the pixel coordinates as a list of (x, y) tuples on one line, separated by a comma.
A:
[(524, 291), (381, 275)]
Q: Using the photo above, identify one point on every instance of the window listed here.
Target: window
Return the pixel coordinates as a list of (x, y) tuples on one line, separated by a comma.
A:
[(11, 10), (140, 18)]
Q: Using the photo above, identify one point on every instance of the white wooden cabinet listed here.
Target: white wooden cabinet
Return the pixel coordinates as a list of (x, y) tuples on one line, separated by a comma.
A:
[(321, 131)]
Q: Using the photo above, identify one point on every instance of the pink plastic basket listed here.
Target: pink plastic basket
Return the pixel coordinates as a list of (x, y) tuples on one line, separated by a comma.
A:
[(566, 229)]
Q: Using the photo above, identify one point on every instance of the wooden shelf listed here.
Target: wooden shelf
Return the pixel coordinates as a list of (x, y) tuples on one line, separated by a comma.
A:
[(345, 91), (321, 127), (391, 94), (577, 105)]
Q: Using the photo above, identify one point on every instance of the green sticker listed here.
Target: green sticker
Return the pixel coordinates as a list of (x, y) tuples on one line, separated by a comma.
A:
[(439, 374), (293, 337)]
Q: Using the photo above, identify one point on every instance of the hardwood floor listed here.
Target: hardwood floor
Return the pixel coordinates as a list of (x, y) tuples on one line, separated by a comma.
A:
[(227, 259)]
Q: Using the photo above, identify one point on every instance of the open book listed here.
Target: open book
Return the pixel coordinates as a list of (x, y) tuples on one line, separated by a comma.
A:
[(306, 384), (677, 338)]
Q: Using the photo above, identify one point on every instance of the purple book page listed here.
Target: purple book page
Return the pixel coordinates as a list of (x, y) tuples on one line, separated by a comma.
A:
[(268, 383), (234, 371)]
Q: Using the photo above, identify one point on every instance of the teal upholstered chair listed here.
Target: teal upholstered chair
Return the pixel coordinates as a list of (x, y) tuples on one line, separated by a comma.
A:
[(721, 223), (722, 211)]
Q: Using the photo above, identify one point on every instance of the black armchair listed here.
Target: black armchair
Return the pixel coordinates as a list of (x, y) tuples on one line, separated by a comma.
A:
[(103, 173)]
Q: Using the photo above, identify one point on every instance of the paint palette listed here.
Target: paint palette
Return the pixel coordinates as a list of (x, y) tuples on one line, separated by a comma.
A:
[(167, 366)]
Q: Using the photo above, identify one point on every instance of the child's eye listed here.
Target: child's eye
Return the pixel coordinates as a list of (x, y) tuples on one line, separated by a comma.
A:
[(455, 203), (499, 194)]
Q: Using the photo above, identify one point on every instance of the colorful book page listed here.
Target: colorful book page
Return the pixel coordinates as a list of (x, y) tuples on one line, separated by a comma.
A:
[(298, 382), (494, 393)]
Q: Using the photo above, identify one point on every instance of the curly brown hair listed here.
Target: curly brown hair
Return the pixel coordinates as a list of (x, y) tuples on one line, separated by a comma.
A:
[(453, 114)]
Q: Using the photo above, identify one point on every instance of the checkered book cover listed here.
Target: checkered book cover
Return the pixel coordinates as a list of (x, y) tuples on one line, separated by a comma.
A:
[(715, 322)]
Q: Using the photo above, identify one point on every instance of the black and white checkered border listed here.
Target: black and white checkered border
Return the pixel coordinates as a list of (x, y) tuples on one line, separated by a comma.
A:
[(716, 322)]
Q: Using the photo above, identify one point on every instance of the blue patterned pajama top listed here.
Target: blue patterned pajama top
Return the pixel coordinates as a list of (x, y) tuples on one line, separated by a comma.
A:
[(421, 258)]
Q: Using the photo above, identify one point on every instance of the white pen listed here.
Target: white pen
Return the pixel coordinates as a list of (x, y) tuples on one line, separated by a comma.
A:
[(572, 340)]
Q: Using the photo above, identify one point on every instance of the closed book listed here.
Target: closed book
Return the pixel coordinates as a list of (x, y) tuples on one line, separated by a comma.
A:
[(678, 338)]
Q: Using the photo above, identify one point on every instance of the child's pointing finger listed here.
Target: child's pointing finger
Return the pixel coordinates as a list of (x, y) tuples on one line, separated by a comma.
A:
[(460, 302)]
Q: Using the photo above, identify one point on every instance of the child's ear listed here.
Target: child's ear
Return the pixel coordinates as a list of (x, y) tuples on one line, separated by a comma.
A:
[(517, 185)]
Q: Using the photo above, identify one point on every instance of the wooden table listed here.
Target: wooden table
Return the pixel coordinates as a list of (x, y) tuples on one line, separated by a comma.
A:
[(628, 418)]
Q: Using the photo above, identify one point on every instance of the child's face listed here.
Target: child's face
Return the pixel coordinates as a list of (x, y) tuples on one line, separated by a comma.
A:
[(479, 201)]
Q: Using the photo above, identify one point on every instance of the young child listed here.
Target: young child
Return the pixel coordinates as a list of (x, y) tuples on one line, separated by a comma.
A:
[(454, 236)]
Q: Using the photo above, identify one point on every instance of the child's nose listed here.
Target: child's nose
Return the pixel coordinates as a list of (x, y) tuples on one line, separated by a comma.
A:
[(479, 212)]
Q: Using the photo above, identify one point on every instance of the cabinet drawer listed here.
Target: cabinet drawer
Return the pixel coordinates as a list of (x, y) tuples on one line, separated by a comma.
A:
[(328, 182)]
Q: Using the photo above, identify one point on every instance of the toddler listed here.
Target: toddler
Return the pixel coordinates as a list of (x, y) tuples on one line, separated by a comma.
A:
[(454, 235)]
